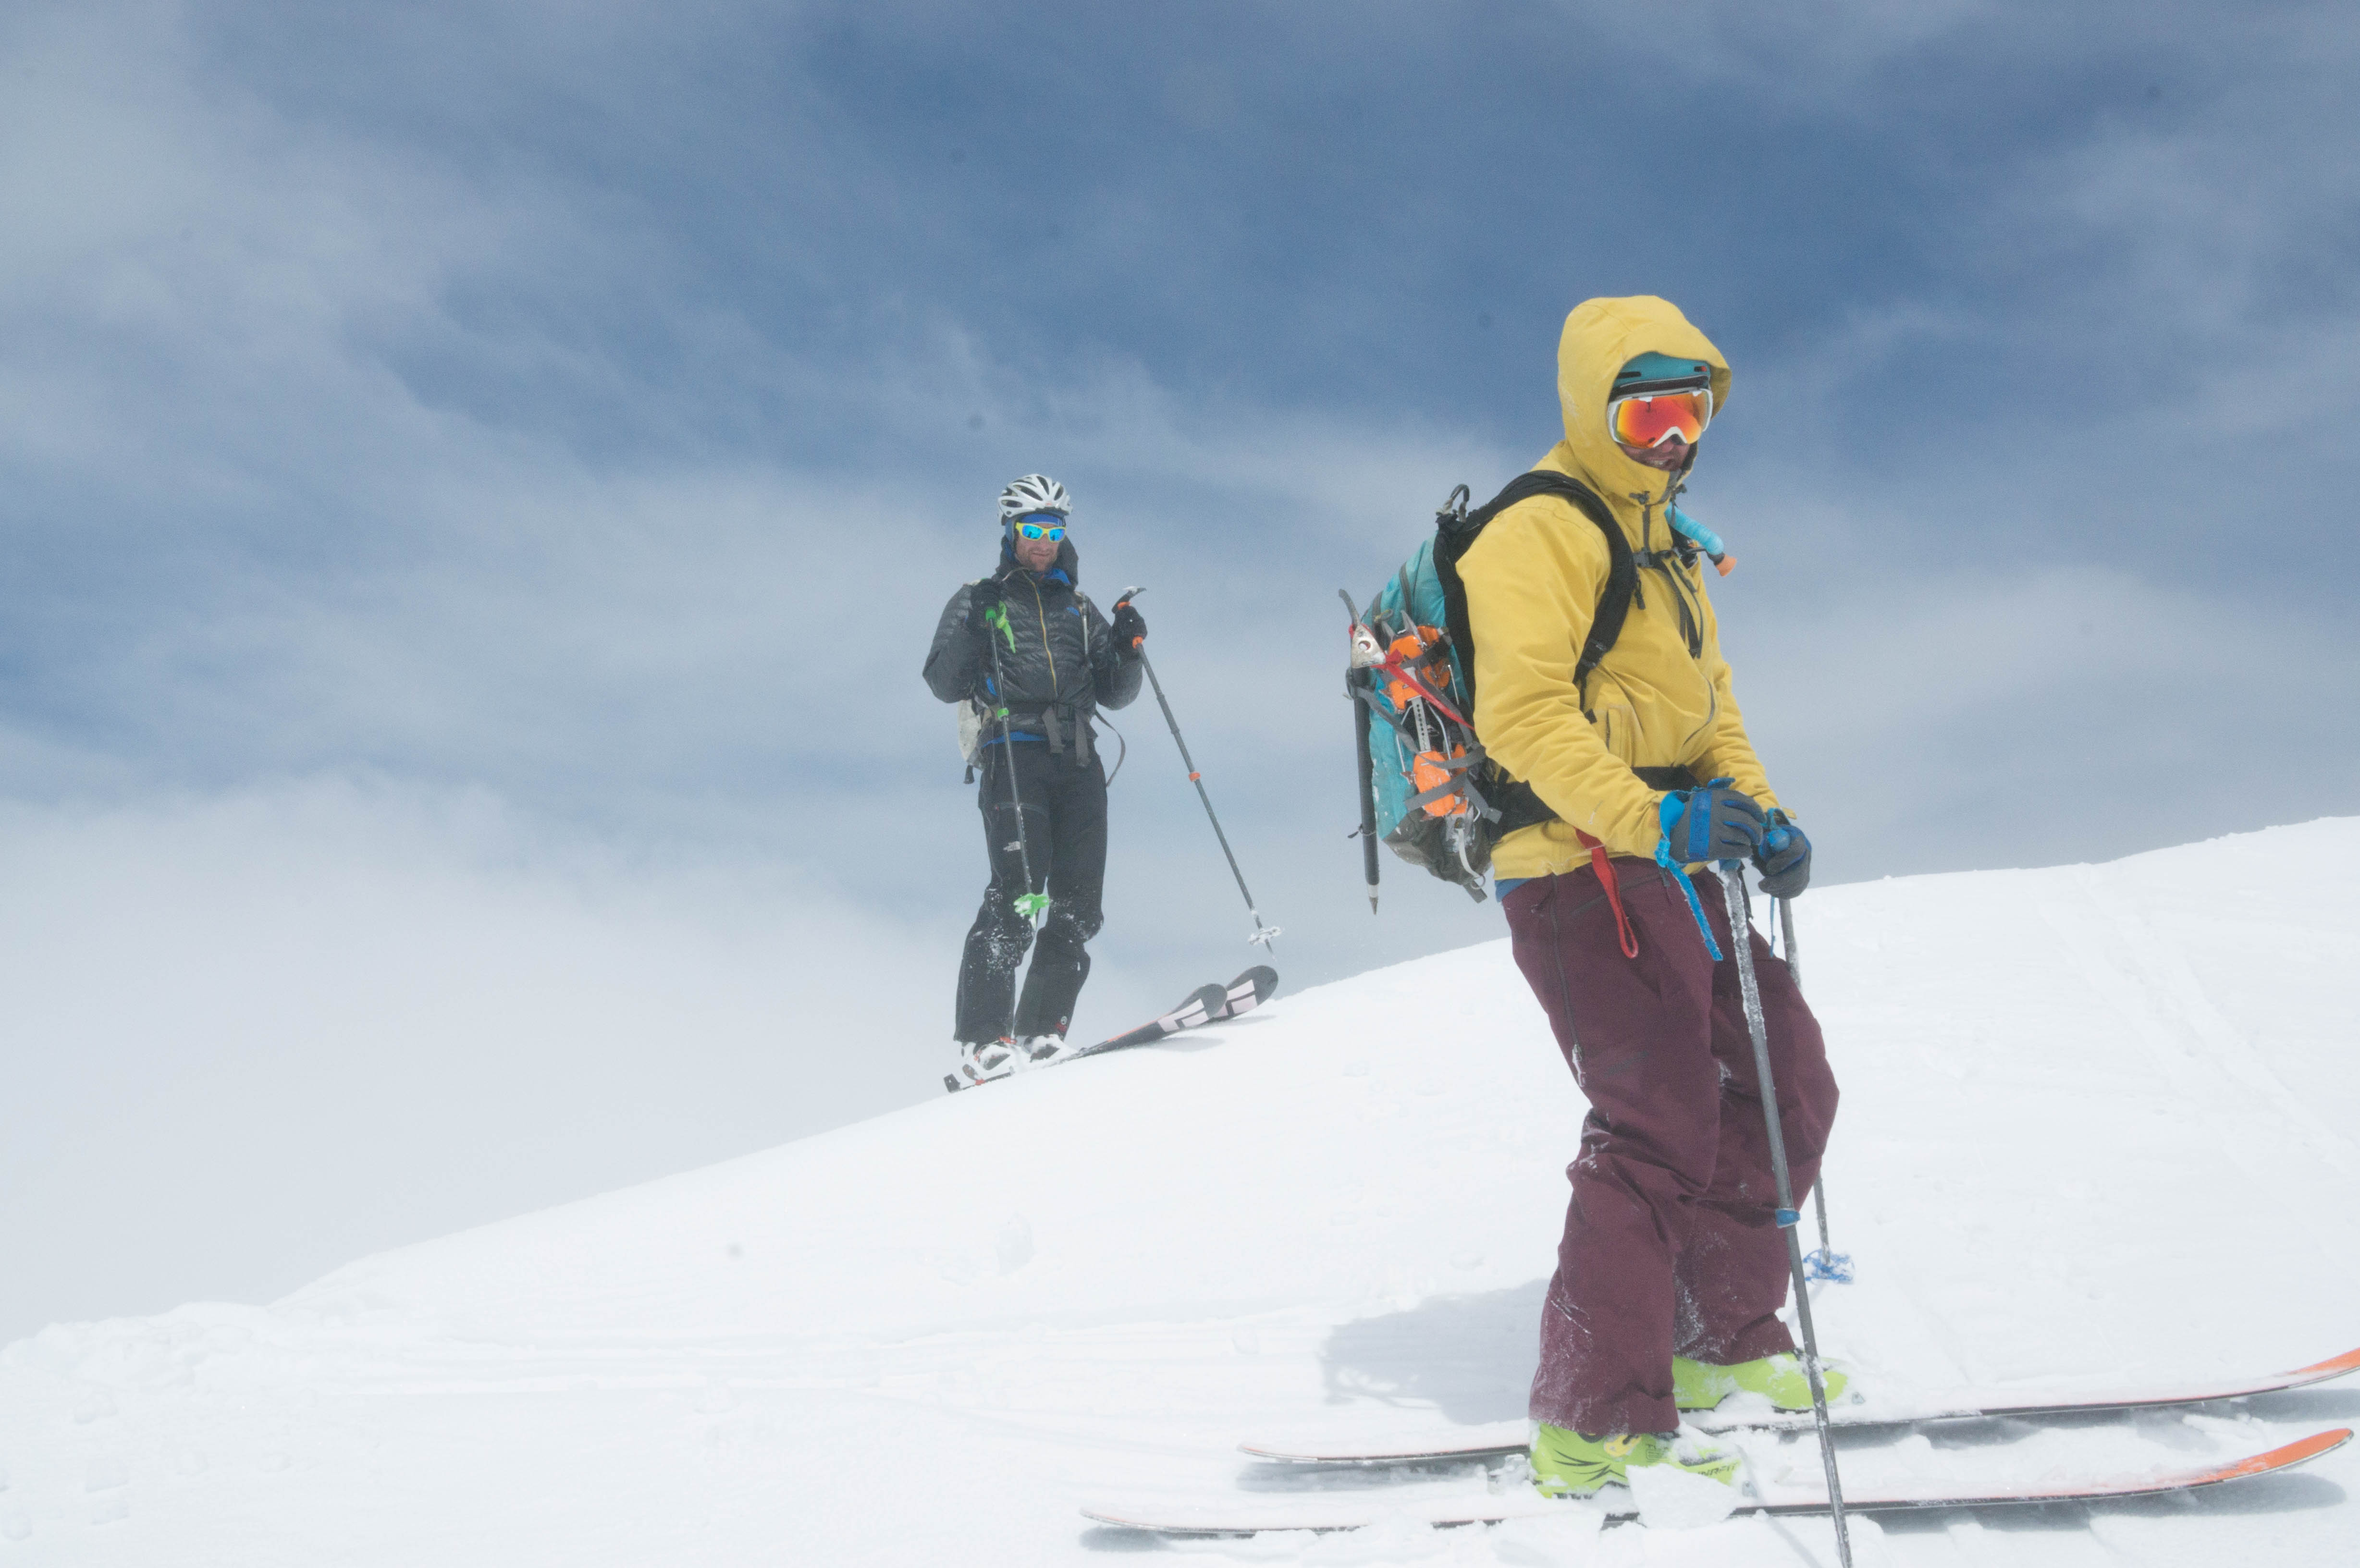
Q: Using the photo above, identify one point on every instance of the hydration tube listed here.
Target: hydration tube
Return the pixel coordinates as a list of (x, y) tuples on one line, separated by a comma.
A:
[(1704, 538)]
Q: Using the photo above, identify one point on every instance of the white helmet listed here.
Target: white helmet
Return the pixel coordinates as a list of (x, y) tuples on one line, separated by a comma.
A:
[(1034, 493)]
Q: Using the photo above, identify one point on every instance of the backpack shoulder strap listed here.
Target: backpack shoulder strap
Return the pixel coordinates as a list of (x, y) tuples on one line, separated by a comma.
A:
[(1455, 533)]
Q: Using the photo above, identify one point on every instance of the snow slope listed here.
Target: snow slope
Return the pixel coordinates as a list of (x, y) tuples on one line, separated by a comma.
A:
[(2097, 1121)]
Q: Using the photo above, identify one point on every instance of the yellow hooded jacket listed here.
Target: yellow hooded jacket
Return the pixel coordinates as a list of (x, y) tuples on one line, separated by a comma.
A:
[(1533, 579)]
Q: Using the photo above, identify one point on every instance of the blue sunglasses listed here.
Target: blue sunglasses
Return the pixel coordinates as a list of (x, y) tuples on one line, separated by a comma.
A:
[(1041, 526)]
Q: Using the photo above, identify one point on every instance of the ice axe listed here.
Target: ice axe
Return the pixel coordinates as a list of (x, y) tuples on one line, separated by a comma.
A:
[(1262, 934), (1357, 686)]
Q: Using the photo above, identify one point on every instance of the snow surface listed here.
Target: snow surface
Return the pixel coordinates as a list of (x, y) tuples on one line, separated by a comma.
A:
[(2097, 1125)]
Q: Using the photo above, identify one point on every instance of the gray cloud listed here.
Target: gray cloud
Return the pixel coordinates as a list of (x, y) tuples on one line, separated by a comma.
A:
[(583, 413)]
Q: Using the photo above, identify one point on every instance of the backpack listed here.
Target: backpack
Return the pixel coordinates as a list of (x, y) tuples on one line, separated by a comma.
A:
[(973, 714), (1427, 790)]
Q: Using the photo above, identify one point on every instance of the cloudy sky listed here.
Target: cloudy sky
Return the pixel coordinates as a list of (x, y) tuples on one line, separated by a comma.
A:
[(477, 479)]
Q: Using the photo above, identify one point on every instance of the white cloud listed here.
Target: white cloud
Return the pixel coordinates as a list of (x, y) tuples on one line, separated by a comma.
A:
[(256, 1034)]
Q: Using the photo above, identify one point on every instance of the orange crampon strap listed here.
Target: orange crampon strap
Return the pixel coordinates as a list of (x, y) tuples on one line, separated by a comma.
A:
[(1435, 777), (1604, 866)]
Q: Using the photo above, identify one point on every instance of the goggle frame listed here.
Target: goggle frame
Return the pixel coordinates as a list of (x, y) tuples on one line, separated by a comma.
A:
[(1649, 392)]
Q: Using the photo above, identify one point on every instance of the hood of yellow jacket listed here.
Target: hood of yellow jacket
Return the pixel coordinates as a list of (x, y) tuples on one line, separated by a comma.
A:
[(1600, 337)]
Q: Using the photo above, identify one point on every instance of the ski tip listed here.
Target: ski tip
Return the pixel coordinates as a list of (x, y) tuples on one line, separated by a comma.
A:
[(1156, 1524), (1250, 990), (2334, 1366), (2301, 1451)]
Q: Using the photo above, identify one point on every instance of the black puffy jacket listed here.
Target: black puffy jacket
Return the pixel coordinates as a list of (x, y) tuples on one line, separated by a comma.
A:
[(1057, 655)]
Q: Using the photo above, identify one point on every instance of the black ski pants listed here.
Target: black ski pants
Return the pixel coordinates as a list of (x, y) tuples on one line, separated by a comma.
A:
[(1066, 836)]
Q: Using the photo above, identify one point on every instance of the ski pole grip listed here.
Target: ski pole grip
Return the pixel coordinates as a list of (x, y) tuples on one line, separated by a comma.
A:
[(1127, 595)]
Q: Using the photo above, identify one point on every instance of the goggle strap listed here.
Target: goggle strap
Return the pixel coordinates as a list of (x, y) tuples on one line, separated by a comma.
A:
[(1657, 388)]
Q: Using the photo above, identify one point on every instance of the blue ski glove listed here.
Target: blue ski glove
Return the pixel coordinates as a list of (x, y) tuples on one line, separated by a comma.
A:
[(1786, 858), (1710, 822)]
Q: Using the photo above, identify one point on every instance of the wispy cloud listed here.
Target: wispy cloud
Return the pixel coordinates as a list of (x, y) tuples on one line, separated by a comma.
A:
[(587, 409)]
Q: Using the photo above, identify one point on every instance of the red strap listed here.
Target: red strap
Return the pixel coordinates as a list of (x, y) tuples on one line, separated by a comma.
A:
[(1393, 665), (1607, 879)]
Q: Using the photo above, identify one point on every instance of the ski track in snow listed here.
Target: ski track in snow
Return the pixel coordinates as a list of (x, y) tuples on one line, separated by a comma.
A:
[(2097, 1127)]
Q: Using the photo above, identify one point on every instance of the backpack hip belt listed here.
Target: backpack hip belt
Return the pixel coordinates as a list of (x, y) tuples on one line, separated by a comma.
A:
[(1066, 726)]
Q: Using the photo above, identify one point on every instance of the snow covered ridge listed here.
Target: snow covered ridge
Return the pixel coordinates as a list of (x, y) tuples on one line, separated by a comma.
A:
[(2098, 1122)]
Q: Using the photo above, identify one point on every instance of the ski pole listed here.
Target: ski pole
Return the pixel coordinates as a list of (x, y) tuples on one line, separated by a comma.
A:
[(1027, 903), (1826, 1263), (1262, 934), (1740, 938), (1787, 933)]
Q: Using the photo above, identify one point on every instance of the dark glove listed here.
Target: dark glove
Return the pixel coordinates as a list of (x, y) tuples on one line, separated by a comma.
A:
[(1786, 858), (985, 602), (1129, 627), (1711, 822)]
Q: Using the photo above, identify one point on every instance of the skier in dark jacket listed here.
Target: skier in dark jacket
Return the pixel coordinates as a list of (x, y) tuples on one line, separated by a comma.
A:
[(1035, 660)]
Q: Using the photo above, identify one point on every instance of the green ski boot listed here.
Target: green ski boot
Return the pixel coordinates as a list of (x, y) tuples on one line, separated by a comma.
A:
[(1566, 1464), (1700, 1385)]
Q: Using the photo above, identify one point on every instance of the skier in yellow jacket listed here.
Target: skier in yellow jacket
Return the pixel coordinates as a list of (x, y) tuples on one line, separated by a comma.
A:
[(1671, 1270)]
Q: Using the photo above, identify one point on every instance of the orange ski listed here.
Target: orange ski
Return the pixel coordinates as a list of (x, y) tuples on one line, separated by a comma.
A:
[(1492, 1439), (1362, 1507)]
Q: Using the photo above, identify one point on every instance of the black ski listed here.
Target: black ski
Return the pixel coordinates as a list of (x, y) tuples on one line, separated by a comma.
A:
[(1202, 1006), (1250, 990), (1205, 1005)]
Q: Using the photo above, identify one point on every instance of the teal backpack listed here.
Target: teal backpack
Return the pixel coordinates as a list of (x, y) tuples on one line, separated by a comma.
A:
[(1427, 790)]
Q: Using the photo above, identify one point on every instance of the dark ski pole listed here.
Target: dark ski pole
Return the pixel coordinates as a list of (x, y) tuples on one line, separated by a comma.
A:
[(1027, 903), (1826, 1263), (1787, 941), (1741, 939), (1262, 934), (1356, 689)]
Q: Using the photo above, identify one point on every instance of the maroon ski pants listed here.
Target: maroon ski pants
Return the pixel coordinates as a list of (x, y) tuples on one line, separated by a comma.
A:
[(1671, 1241)]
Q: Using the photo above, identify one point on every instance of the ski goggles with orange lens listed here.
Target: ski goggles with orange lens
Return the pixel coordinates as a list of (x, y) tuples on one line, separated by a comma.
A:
[(1646, 420), (1041, 526)]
